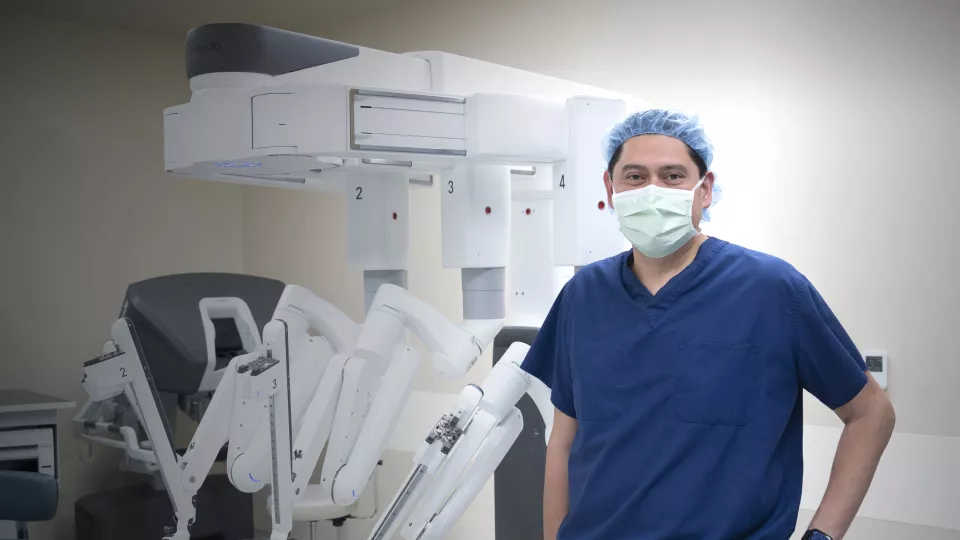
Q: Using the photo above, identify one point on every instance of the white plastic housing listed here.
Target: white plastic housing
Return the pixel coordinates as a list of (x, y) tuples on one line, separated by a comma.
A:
[(475, 216), (585, 229), (540, 395), (532, 278), (311, 440), (481, 448), (459, 75), (304, 110), (319, 316), (229, 419), (225, 308), (405, 122), (493, 134), (377, 429), (124, 373), (533, 386), (104, 381), (361, 382), (311, 137), (455, 349), (383, 326), (408, 511), (378, 222), (250, 433), (259, 136), (275, 338), (299, 130), (506, 383), (264, 386), (499, 441), (316, 330), (369, 68), (445, 479)]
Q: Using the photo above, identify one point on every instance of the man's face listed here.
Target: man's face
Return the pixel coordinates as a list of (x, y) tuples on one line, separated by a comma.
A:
[(663, 161)]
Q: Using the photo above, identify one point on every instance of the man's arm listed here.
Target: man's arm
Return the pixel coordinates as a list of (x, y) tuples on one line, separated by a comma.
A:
[(556, 490), (868, 423)]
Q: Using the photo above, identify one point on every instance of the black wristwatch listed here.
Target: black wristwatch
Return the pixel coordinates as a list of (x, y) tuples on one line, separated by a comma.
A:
[(816, 534)]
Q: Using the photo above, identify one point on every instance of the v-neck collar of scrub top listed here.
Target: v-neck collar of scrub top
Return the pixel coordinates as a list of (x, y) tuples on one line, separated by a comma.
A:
[(656, 305)]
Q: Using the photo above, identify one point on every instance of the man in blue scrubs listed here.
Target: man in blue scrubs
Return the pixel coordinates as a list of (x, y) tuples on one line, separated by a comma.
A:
[(677, 368)]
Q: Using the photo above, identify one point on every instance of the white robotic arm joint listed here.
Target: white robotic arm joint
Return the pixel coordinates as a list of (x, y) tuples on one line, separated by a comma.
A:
[(455, 349), (381, 374)]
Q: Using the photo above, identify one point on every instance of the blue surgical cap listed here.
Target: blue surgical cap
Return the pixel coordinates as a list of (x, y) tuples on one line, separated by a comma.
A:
[(663, 122)]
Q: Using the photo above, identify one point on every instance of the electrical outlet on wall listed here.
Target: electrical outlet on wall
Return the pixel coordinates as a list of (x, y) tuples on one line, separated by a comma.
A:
[(878, 365)]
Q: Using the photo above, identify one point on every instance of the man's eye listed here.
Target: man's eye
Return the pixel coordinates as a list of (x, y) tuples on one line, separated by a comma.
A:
[(673, 178), (634, 177)]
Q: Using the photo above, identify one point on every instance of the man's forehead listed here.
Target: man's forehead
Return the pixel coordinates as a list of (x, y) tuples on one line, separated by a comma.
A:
[(655, 143), (655, 151)]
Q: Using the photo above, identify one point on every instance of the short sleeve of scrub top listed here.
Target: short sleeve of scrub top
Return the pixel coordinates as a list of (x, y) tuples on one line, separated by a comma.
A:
[(829, 365), (548, 358)]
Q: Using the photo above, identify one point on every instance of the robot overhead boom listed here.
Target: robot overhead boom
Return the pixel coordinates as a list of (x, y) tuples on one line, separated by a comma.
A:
[(345, 109)]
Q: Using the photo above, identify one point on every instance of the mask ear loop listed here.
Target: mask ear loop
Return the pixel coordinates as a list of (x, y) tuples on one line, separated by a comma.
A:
[(613, 195)]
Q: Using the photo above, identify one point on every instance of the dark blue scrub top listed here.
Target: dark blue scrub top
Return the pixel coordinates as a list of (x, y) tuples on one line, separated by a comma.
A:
[(689, 403)]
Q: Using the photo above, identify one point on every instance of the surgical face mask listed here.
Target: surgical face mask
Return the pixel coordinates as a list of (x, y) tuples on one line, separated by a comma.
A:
[(656, 220)]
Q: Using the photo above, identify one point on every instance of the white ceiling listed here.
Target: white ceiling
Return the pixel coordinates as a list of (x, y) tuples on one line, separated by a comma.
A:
[(176, 17)]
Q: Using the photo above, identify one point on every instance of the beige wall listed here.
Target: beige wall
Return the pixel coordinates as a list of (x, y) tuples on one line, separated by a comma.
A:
[(86, 208)]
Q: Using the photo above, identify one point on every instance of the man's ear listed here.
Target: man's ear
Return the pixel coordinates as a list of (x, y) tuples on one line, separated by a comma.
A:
[(608, 183), (707, 190)]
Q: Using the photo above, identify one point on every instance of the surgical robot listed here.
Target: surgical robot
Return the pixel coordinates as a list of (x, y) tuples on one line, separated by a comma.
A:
[(193, 325), (314, 381), (190, 326), (275, 108)]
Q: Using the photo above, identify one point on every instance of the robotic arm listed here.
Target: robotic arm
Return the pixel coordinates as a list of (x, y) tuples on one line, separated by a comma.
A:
[(455, 349), (269, 398), (122, 370), (260, 394), (462, 451), (312, 358), (371, 387)]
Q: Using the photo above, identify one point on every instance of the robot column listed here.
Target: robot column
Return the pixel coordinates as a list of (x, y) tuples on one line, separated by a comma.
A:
[(584, 228), (378, 225), (475, 216)]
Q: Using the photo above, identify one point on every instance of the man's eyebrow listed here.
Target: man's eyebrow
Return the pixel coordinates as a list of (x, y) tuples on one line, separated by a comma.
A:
[(634, 167), (673, 167)]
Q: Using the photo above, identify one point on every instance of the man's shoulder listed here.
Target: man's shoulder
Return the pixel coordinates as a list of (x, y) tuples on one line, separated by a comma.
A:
[(765, 269)]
